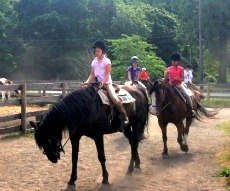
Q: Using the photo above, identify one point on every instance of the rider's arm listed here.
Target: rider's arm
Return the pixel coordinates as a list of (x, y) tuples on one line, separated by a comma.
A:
[(129, 75), (182, 75), (166, 75), (91, 77), (108, 69)]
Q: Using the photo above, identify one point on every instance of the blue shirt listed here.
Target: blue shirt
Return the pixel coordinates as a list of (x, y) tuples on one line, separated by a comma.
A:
[(134, 72)]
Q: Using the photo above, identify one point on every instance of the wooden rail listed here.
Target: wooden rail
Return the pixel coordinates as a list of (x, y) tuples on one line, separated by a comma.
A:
[(31, 94), (216, 90), (34, 93)]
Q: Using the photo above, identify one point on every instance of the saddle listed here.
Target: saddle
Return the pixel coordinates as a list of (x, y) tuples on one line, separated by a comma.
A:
[(123, 95)]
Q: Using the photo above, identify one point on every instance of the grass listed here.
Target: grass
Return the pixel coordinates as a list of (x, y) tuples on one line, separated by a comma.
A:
[(217, 102), (13, 136), (224, 156)]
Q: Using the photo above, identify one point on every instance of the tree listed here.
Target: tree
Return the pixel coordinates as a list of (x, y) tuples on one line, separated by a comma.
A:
[(164, 29), (130, 19), (217, 33), (9, 46), (123, 49)]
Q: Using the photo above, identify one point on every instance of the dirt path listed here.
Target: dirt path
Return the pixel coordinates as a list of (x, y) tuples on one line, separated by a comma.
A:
[(23, 167)]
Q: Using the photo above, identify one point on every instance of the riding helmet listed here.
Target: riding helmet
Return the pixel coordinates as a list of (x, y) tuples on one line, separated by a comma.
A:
[(134, 59), (100, 44), (175, 57)]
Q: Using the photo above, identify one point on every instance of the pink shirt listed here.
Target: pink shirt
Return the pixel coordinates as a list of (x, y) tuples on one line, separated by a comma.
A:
[(175, 73), (99, 69)]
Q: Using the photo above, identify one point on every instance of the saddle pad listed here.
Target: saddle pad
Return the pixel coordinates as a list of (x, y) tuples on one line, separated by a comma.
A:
[(104, 97), (123, 95), (189, 92)]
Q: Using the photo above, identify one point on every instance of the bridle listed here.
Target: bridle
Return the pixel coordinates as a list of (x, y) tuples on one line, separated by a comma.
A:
[(60, 147), (161, 106)]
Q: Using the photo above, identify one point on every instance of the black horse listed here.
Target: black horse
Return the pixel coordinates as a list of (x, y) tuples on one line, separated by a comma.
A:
[(172, 109), (83, 113)]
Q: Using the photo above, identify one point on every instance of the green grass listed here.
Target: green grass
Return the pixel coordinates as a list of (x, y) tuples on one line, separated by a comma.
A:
[(13, 136), (216, 102), (224, 155)]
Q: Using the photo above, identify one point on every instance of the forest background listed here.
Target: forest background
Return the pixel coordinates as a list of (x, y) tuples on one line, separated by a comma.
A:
[(52, 39)]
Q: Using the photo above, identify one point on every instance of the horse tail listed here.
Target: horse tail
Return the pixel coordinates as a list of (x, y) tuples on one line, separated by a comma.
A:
[(201, 110), (143, 89)]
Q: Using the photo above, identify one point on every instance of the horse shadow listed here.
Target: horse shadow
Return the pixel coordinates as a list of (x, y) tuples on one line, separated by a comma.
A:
[(173, 160)]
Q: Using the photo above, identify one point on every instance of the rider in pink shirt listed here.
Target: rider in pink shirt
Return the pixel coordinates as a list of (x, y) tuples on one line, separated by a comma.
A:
[(101, 73)]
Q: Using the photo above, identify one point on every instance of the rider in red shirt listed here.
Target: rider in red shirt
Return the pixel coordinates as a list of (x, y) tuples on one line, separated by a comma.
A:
[(143, 74), (175, 75)]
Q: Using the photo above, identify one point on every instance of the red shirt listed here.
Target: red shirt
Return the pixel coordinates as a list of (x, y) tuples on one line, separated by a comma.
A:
[(144, 75), (175, 74)]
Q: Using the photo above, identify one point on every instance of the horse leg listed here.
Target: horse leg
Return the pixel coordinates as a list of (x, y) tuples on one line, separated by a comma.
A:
[(101, 157), (135, 159), (75, 150), (163, 127), (182, 136), (133, 141)]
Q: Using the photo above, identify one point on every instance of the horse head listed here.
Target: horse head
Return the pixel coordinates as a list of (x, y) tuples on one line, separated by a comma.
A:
[(50, 144), (160, 93)]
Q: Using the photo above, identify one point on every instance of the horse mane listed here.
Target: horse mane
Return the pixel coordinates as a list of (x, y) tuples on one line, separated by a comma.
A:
[(67, 112), (78, 102)]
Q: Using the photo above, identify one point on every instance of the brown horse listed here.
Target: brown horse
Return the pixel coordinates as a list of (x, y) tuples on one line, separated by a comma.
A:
[(172, 109)]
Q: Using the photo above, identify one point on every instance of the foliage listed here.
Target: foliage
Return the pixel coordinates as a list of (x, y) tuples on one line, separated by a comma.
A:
[(8, 46), (53, 29), (164, 29), (217, 102), (211, 66), (130, 19), (123, 49), (225, 172), (216, 31), (224, 155)]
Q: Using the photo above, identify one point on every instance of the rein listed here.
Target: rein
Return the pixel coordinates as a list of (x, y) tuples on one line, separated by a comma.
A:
[(161, 104)]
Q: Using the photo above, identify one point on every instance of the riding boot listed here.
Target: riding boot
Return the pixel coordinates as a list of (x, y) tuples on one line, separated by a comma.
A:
[(191, 111), (123, 116)]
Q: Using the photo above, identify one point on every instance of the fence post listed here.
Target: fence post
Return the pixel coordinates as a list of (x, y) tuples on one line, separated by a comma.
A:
[(208, 91), (23, 108), (64, 89)]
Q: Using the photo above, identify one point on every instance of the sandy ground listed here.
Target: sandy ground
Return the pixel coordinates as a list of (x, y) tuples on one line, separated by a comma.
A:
[(23, 167)]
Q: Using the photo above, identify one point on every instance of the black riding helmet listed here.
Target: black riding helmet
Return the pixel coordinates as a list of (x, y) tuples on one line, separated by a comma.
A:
[(100, 44), (175, 57)]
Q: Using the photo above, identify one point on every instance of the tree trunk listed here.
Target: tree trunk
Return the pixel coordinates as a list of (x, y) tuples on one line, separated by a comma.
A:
[(222, 73)]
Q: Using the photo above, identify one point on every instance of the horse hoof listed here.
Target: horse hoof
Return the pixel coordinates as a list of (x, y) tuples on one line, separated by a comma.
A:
[(165, 156), (104, 187), (184, 148), (70, 187), (137, 171), (129, 173)]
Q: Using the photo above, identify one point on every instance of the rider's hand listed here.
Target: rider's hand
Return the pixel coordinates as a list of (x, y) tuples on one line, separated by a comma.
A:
[(86, 82), (101, 85), (176, 82)]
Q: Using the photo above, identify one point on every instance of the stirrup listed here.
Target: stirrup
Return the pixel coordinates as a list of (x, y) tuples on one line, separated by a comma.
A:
[(124, 123)]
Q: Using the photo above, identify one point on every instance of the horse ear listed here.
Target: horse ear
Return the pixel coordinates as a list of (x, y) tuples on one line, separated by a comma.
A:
[(34, 125)]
